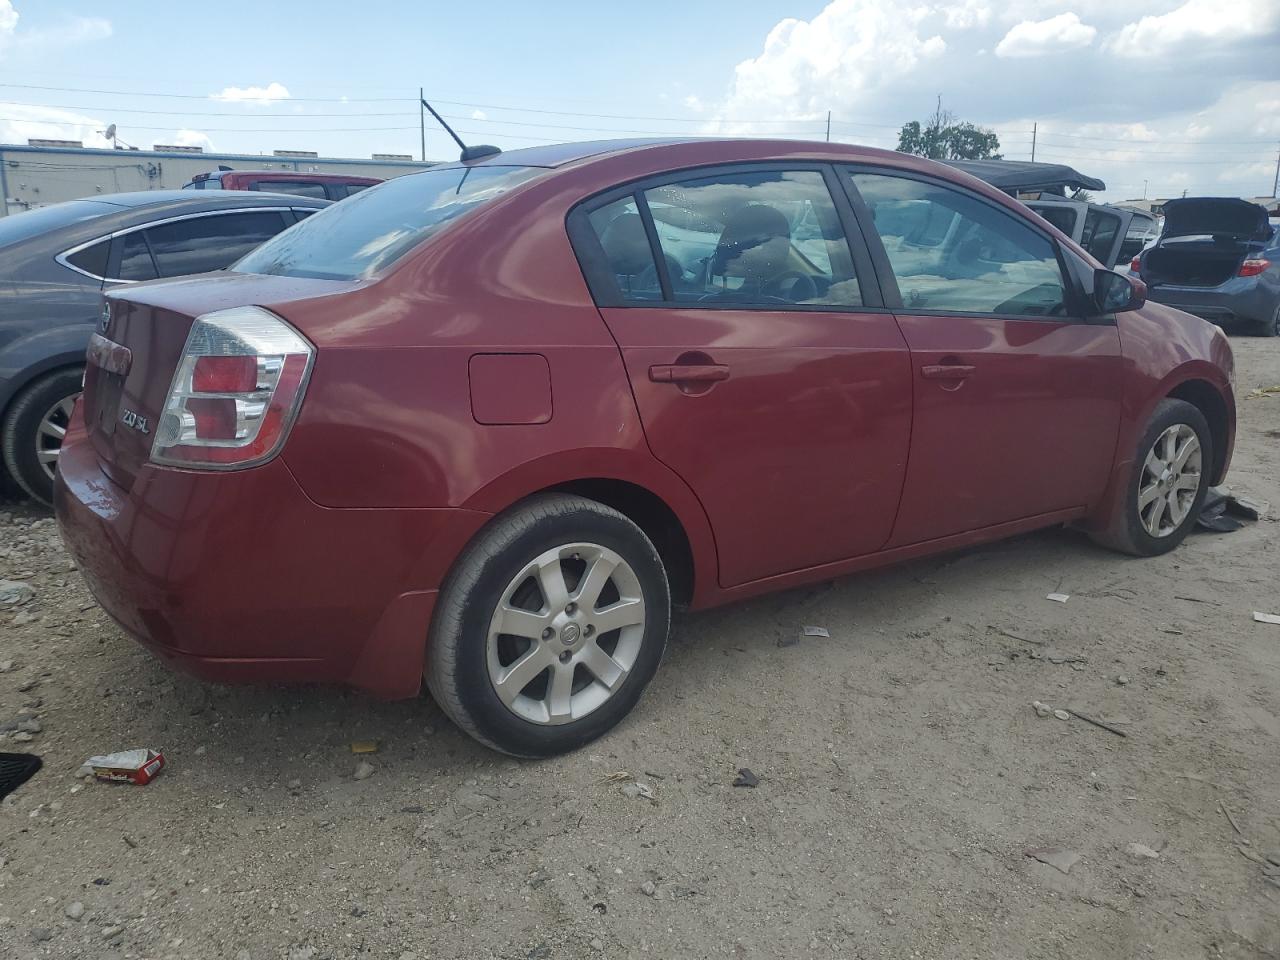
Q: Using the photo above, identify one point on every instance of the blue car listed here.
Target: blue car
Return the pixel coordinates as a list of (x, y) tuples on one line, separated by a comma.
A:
[(55, 264), (1217, 258)]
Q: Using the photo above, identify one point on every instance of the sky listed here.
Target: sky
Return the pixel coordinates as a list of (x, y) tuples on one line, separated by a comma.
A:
[(1155, 98)]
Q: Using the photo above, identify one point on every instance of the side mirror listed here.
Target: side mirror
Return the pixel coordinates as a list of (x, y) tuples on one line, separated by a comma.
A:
[(1115, 293)]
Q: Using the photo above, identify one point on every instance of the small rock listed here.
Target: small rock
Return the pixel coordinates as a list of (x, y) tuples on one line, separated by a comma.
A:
[(364, 770), (1041, 709), (648, 888), (30, 725), (637, 789), (302, 953), (41, 934), (1142, 850), (243, 955), (16, 592), (597, 944), (1122, 680), (22, 737), (1062, 715), (6, 666), (294, 784), (29, 684), (412, 808), (1055, 857), (110, 933), (75, 910)]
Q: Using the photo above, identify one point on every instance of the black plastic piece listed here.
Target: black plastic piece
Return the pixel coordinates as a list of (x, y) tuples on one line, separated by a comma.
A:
[(15, 770)]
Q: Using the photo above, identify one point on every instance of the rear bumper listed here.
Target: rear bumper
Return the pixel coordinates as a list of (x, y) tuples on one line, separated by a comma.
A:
[(1241, 300), (241, 577)]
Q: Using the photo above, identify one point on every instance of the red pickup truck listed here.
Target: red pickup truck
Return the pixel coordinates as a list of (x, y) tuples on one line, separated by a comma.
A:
[(322, 186)]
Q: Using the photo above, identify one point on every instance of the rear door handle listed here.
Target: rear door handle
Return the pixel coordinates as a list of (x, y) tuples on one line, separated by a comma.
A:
[(688, 373), (946, 371)]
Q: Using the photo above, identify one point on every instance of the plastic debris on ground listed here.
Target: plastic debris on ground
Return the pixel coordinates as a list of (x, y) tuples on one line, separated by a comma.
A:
[(15, 770), (1266, 617), (746, 778), (1058, 597), (816, 632), (1221, 508), (1055, 857), (138, 766), (365, 746)]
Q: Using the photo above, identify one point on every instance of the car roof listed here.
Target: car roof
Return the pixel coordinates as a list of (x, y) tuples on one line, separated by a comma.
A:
[(144, 198)]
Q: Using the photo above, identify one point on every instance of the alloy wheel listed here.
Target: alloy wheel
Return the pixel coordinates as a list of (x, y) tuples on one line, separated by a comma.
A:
[(1171, 477), (566, 633), (50, 433)]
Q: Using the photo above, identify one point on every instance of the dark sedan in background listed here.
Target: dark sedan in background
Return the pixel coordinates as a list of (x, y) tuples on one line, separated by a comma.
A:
[(55, 263)]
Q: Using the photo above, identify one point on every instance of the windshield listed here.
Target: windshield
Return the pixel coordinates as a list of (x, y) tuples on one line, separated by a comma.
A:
[(370, 231), (20, 226)]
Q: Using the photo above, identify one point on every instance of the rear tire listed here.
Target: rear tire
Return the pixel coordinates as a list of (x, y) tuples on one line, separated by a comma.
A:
[(1170, 479), (1270, 328), (549, 627), (29, 436)]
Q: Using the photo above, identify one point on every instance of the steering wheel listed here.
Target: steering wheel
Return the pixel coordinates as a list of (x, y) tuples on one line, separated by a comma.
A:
[(791, 286)]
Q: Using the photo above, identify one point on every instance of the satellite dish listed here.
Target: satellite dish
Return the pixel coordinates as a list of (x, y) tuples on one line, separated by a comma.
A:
[(110, 132)]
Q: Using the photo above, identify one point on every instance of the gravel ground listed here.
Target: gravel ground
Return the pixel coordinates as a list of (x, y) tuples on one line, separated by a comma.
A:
[(903, 776)]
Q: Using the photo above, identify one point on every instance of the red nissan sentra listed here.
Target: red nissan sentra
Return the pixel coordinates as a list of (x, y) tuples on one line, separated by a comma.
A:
[(487, 423)]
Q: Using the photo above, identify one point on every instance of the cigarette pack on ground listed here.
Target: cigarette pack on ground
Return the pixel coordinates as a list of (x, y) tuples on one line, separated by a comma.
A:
[(129, 766)]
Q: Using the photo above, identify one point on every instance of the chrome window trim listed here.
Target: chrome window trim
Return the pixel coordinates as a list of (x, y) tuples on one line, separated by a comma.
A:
[(64, 257)]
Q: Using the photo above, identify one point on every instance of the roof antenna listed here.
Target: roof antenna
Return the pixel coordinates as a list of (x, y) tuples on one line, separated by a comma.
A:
[(468, 153)]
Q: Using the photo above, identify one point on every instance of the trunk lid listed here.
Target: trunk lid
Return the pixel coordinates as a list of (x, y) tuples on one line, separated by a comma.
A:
[(124, 393), (1215, 216)]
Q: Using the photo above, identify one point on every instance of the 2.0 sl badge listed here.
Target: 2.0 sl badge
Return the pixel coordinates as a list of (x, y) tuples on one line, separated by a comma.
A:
[(131, 419)]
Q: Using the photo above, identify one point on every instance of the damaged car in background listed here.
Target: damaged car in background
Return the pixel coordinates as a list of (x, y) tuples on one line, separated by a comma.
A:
[(1219, 258)]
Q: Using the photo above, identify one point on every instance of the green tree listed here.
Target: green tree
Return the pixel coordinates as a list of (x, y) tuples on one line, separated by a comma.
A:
[(943, 137)]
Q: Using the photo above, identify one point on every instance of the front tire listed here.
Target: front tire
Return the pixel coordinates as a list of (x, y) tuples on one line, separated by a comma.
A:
[(33, 428), (1170, 480), (550, 626), (1270, 328)]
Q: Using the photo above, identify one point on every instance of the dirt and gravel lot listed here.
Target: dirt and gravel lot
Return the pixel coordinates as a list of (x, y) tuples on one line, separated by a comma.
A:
[(903, 775)]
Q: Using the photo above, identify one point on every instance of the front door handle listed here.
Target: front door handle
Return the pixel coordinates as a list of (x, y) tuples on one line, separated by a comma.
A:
[(946, 371), (688, 373)]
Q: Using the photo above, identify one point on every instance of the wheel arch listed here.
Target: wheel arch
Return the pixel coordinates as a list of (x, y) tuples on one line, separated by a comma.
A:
[(650, 495), (1206, 398)]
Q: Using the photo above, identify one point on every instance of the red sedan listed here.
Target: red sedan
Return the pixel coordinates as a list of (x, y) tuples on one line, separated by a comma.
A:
[(487, 423)]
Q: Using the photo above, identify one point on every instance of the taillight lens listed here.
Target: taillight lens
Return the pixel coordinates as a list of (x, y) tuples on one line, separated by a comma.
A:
[(1135, 265), (236, 391), (1253, 266)]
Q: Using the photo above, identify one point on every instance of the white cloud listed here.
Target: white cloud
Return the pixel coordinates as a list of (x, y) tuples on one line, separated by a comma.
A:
[(1035, 38), (192, 138), (966, 14), (1194, 25), (843, 55), (254, 96), (50, 123), (8, 20), (479, 115)]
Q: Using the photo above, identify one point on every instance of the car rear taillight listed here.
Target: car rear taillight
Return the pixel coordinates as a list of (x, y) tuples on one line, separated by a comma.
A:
[(1135, 265), (1253, 266), (236, 391)]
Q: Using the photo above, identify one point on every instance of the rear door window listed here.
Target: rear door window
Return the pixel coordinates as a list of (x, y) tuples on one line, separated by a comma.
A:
[(1099, 234), (92, 260), (620, 230), (987, 261), (135, 258), (202, 244)]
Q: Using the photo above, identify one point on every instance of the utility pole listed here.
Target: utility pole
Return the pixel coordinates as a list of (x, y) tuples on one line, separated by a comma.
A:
[(829, 127), (1144, 189), (1275, 184), (422, 124), (1034, 127)]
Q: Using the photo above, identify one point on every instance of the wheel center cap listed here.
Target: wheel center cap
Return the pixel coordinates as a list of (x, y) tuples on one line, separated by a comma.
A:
[(571, 634)]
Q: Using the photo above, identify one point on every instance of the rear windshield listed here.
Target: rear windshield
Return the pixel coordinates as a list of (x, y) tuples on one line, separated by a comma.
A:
[(370, 231), (19, 226)]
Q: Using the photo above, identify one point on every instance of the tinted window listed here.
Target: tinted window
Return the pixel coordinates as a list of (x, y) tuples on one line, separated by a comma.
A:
[(303, 212), (1099, 234), (1064, 218), (92, 259), (764, 238), (19, 226), (1141, 231), (347, 189), (976, 258), (201, 244), (135, 258), (626, 247), (375, 228), (297, 188)]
